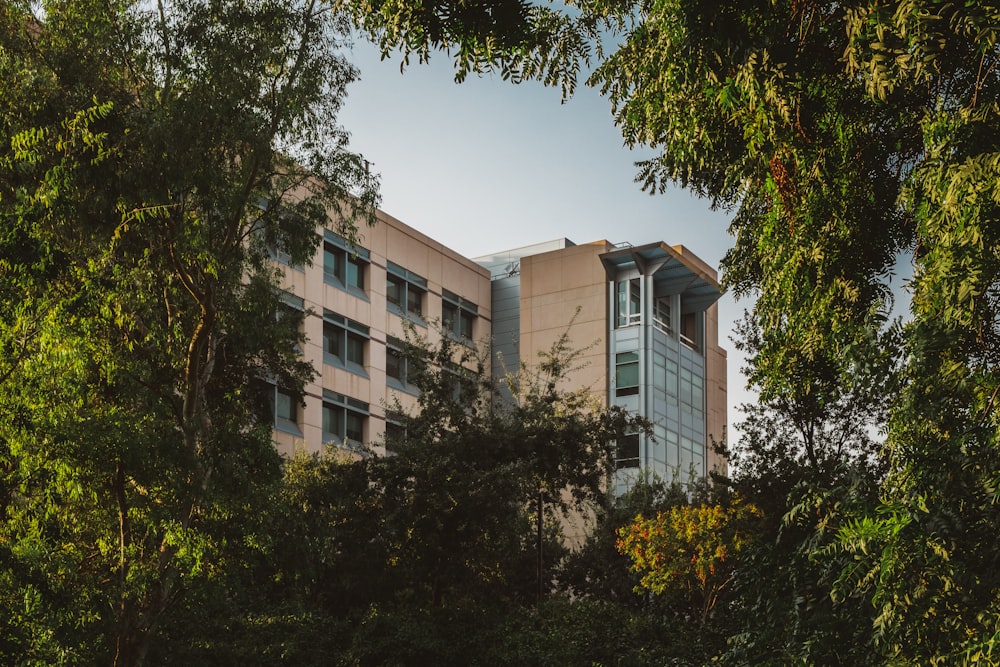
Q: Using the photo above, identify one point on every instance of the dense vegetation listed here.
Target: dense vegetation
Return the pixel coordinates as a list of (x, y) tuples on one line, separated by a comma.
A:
[(149, 155)]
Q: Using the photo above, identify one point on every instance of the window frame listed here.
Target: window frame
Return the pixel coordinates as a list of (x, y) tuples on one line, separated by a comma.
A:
[(463, 311), (633, 443), (395, 347), (628, 294), (289, 423), (350, 331), (345, 254), (626, 389), (347, 407), (412, 290)]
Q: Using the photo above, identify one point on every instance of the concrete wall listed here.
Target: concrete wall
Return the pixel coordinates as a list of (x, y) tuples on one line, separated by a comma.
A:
[(388, 241), (553, 286)]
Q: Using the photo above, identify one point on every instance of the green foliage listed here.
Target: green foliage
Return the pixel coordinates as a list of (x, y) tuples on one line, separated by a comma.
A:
[(690, 549), (517, 39), (143, 150), (597, 570), (844, 135)]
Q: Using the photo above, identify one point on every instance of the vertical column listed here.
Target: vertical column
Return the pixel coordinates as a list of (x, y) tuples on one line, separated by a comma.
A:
[(610, 345), (647, 395)]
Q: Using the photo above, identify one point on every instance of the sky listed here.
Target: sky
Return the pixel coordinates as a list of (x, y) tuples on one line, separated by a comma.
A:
[(488, 165)]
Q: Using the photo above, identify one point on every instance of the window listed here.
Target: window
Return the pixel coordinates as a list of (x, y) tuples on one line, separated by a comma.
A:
[(405, 291), (289, 303), (397, 366), (344, 342), (692, 391), (286, 411), (395, 431), (626, 374), (458, 315), (274, 216), (460, 379), (689, 330), (344, 264), (290, 310), (662, 316), (627, 455), (629, 303), (343, 420)]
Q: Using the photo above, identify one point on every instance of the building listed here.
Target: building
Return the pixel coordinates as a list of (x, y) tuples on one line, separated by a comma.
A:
[(645, 318), (359, 300)]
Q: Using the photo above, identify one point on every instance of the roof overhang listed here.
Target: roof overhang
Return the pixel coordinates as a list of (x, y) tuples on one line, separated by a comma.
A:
[(672, 273)]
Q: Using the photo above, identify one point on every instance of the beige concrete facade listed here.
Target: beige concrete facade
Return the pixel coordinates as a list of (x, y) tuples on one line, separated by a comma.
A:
[(667, 337), (644, 319), (563, 291), (389, 250)]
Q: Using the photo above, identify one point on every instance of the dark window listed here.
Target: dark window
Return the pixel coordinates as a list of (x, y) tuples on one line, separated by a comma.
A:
[(344, 264), (395, 432), (458, 315), (266, 227), (626, 374), (285, 408), (628, 452), (343, 420), (689, 330), (397, 366), (405, 291), (344, 342)]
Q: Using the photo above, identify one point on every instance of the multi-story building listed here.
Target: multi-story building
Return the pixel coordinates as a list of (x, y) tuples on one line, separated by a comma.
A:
[(359, 300), (646, 318)]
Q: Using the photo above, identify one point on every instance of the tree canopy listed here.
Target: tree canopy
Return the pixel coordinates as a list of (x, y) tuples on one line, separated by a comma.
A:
[(149, 156), (844, 137)]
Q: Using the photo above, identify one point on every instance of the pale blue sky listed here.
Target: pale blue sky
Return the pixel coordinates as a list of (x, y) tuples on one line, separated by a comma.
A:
[(487, 165)]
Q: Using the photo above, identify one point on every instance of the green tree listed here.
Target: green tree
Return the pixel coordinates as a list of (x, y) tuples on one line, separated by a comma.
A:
[(398, 548), (597, 570), (810, 465), (844, 134), (469, 468), (150, 154), (689, 550)]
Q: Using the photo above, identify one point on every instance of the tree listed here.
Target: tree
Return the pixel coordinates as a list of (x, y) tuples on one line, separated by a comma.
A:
[(468, 464), (597, 570), (843, 135), (516, 38), (689, 549), (151, 154), (811, 466)]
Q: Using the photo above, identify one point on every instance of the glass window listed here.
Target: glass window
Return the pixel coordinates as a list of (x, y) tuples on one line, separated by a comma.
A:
[(662, 315), (458, 315), (628, 452), (697, 392), (394, 289), (659, 372), (344, 264), (285, 408), (404, 291), (344, 420), (344, 342), (397, 366), (414, 301), (671, 385), (628, 303), (689, 330), (627, 374), (284, 405)]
